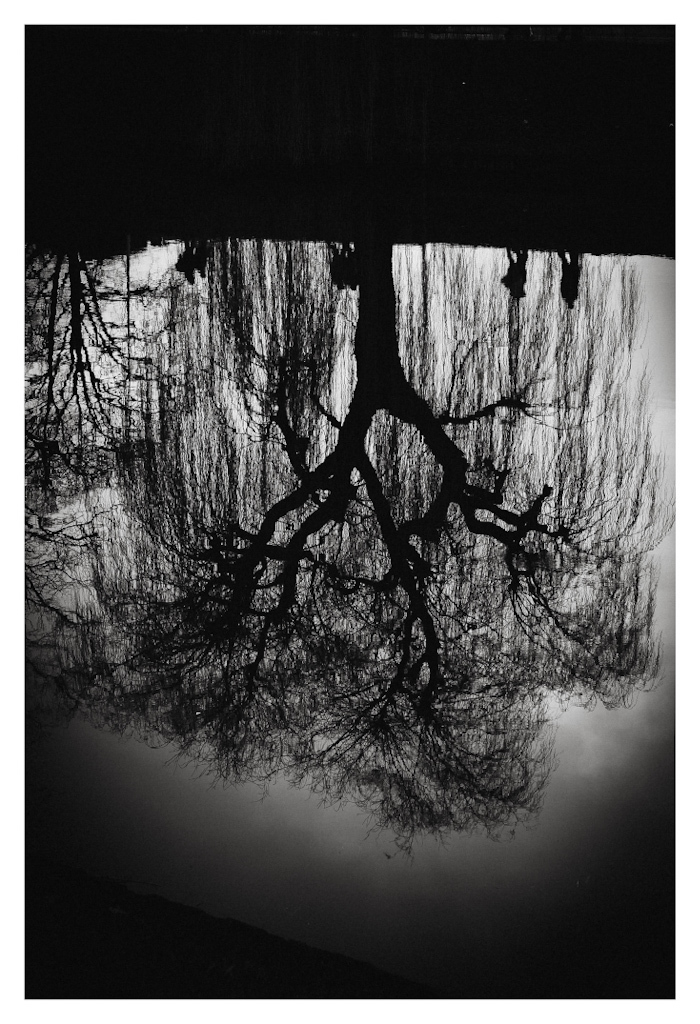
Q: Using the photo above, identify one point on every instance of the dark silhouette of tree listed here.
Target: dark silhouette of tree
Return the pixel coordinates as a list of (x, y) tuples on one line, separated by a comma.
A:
[(83, 365), (88, 416), (373, 539)]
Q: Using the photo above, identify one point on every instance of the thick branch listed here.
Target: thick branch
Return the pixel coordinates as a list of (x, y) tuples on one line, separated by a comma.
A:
[(485, 412)]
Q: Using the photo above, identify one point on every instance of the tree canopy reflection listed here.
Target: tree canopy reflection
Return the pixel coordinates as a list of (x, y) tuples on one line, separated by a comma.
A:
[(363, 539)]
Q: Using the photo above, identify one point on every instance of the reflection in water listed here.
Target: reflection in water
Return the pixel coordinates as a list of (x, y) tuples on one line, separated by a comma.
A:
[(515, 276), (570, 274), (362, 539)]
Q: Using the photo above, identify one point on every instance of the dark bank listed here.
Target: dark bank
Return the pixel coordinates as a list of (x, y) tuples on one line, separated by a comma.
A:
[(92, 938), (558, 138)]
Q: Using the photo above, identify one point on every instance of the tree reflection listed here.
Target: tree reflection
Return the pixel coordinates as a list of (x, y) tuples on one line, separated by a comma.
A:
[(83, 368), (372, 537)]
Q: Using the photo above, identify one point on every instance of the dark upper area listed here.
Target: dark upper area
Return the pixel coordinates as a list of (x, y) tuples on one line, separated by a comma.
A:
[(542, 137)]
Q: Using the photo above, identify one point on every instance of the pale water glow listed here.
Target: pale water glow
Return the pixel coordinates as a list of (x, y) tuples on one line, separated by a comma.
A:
[(284, 861)]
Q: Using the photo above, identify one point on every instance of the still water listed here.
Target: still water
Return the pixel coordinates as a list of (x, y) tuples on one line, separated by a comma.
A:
[(350, 597)]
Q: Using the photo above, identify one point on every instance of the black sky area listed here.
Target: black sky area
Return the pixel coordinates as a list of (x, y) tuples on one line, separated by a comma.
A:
[(265, 131)]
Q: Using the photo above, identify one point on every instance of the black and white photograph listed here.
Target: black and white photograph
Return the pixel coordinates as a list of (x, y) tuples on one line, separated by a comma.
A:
[(350, 504)]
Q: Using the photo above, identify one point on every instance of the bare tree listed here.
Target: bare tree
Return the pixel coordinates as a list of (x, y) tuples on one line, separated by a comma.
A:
[(375, 537)]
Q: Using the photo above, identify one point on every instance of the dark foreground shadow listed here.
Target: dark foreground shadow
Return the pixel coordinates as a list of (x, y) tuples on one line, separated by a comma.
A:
[(92, 938)]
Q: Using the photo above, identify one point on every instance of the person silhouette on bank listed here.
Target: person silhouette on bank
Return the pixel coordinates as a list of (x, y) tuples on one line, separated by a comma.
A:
[(193, 258), (515, 277), (570, 274)]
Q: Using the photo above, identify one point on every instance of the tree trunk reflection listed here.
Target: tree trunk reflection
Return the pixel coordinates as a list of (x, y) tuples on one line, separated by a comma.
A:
[(362, 541)]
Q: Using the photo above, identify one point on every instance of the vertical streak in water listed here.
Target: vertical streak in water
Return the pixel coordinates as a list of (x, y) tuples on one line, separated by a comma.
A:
[(127, 423)]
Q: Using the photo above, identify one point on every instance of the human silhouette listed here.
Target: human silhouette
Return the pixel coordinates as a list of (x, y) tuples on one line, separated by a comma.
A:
[(344, 267), (194, 258), (570, 273), (515, 277)]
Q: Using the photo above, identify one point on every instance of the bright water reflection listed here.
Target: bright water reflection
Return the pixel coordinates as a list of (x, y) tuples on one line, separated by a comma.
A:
[(365, 542)]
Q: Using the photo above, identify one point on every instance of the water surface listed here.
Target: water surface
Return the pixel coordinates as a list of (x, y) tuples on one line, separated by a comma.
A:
[(350, 598)]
